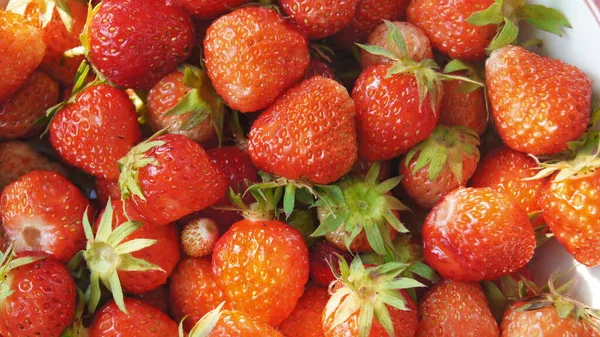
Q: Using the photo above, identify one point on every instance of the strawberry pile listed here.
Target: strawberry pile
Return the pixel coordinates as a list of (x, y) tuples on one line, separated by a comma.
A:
[(305, 168)]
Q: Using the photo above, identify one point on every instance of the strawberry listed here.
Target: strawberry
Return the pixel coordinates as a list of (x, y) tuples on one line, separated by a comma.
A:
[(142, 320), (320, 18), (38, 297), (42, 211), (126, 46), (323, 257), (456, 227), (95, 129), (417, 44), (18, 158), (158, 298), (22, 49), (554, 110), (509, 172), (106, 189), (227, 323), (252, 56), (193, 290), (453, 308), (362, 166), (198, 237), (316, 120), (305, 320), (440, 164), (318, 68), (209, 9), (20, 111), (169, 176)]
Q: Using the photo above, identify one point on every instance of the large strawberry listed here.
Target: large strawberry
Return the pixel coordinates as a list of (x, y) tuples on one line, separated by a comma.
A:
[(252, 56), (305, 320), (96, 128), (549, 109), (19, 158), (476, 234), (320, 18), (125, 44), (228, 323), (309, 133), (22, 49), (169, 176), (42, 211), (209, 9)]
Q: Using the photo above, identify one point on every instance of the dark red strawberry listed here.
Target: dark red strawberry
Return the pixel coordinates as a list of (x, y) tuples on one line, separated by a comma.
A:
[(209, 9), (320, 18), (106, 189), (318, 68), (323, 257), (19, 158), (158, 298)]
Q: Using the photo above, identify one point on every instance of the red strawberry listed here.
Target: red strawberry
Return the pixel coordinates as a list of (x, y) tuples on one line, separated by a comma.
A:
[(323, 257), (127, 46), (193, 291), (22, 49), (18, 158), (550, 109), (476, 234), (318, 68), (42, 211), (315, 120), (142, 320), (440, 164), (21, 110), (198, 237), (168, 177), (158, 298), (252, 56), (305, 320), (453, 308), (320, 18), (228, 323), (209, 9), (106, 189), (362, 166), (38, 297), (95, 130)]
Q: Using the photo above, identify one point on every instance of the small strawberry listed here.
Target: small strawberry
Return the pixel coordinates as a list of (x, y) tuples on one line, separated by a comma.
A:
[(18, 158), (142, 320), (476, 234), (453, 308), (440, 164), (38, 295), (42, 211), (158, 298), (305, 320), (22, 50), (96, 128), (252, 56), (105, 190), (550, 109), (323, 256), (193, 291), (198, 237), (318, 68), (20, 111), (209, 9), (320, 18), (127, 47)]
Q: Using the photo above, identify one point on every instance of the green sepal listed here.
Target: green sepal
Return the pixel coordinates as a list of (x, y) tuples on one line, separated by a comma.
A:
[(303, 221), (508, 34), (490, 16), (81, 77), (396, 38), (544, 18), (456, 65), (205, 325), (289, 199), (498, 302), (378, 51), (130, 164), (8, 262)]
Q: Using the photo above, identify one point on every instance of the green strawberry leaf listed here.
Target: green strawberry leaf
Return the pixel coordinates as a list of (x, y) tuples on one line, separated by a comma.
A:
[(81, 77), (491, 15), (395, 38), (544, 18), (289, 199), (379, 51), (508, 35), (456, 65)]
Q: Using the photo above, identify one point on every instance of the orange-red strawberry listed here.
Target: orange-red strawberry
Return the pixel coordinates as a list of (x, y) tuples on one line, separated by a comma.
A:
[(252, 56), (315, 120), (228, 323), (550, 109), (20, 111), (320, 18), (169, 176), (96, 129), (305, 320), (22, 49), (19, 158), (42, 211), (440, 164), (193, 290), (476, 234), (126, 45), (323, 257), (141, 320), (209, 9), (453, 308)]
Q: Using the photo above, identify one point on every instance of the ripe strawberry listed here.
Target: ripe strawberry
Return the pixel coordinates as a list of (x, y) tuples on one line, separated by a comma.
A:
[(96, 129), (106, 189), (362, 166), (193, 291), (158, 298), (18, 158), (417, 44), (320, 18), (305, 320), (227, 323), (209, 9), (22, 49), (142, 320), (198, 237), (509, 172), (323, 256), (252, 56), (440, 164), (318, 68), (170, 176), (453, 308), (551, 112), (20, 111), (126, 46), (38, 297), (42, 211), (457, 226)]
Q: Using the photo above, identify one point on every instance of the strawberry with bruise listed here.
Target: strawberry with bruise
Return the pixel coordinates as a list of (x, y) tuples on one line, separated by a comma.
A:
[(320, 18), (18, 158)]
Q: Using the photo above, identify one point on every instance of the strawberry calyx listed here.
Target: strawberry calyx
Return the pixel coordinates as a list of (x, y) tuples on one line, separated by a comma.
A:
[(8, 262), (265, 207), (205, 325), (446, 146), (106, 254), (368, 292), (508, 14), (362, 205), (47, 8)]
